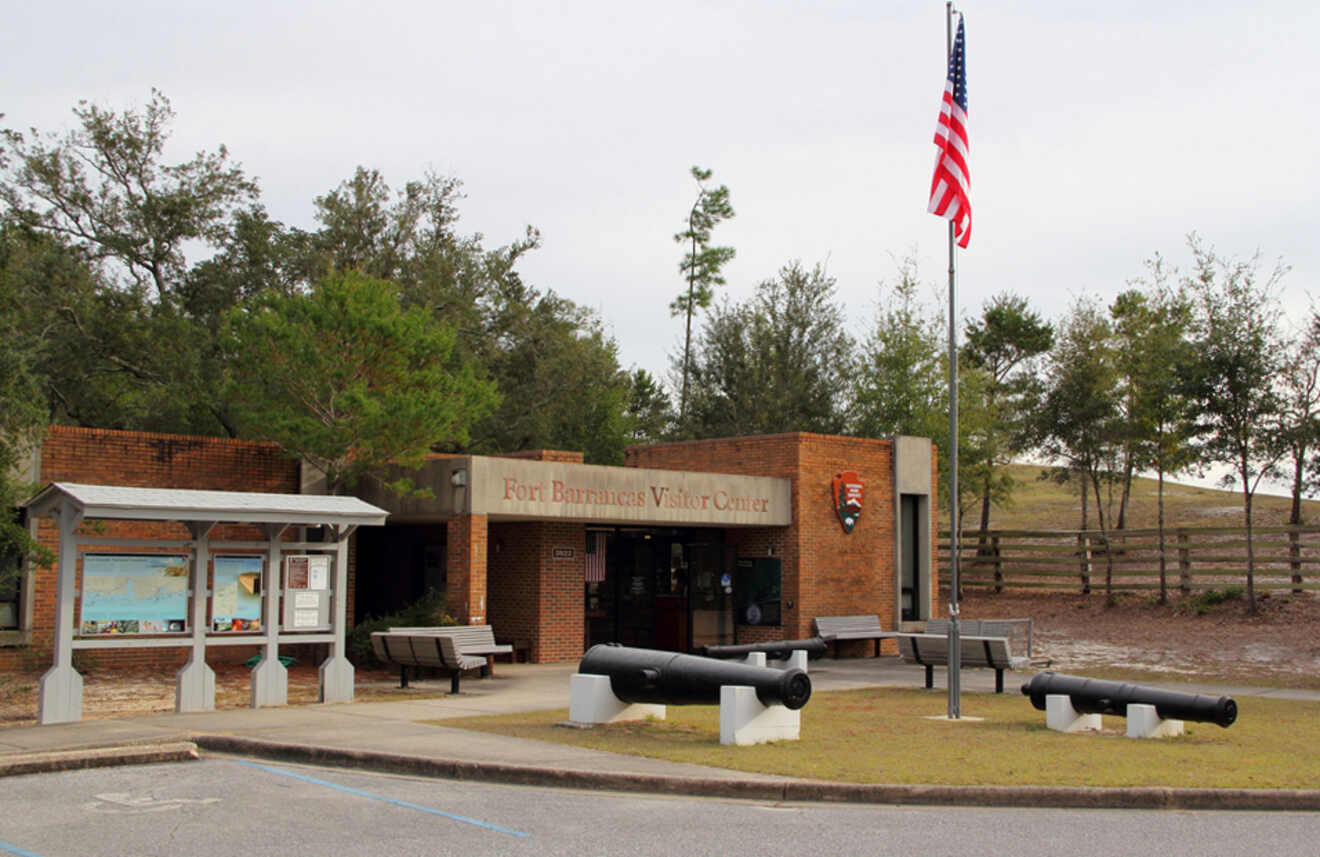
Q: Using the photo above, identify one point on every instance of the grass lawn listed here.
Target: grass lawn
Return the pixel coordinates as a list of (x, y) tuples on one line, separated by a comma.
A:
[(885, 735)]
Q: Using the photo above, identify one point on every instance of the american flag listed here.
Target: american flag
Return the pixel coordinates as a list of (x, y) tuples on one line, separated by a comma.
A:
[(595, 557), (952, 182)]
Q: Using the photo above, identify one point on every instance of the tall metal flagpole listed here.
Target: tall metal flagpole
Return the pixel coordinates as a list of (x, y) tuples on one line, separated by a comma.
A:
[(955, 644)]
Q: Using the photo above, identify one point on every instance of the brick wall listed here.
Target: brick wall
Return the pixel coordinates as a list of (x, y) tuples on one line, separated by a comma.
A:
[(561, 455), (826, 572), (535, 596), (466, 558), (138, 459)]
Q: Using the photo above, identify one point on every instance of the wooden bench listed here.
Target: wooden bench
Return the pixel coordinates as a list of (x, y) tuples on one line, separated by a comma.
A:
[(431, 651), (1018, 631), (478, 640), (832, 629), (932, 650)]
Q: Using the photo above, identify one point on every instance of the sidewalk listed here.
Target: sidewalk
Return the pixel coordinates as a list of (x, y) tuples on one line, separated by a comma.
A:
[(391, 736)]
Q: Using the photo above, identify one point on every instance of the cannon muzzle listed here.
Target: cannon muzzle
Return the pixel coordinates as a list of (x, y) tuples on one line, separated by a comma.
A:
[(1097, 696), (779, 650), (668, 678)]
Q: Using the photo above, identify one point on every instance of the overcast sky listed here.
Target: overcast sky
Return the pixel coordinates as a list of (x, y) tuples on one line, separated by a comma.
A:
[(1101, 133)]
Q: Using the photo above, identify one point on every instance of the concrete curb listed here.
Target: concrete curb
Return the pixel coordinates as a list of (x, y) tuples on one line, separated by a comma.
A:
[(97, 757), (777, 790)]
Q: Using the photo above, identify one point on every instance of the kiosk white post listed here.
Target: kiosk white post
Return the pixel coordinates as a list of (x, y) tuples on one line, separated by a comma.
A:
[(61, 688), (336, 674), (269, 684), (194, 683)]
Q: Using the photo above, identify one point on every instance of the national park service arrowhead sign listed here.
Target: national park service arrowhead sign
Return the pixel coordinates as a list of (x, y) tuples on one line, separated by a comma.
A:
[(848, 489)]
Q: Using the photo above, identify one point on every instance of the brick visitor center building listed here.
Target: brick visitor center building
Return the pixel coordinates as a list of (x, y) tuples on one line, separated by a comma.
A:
[(689, 544)]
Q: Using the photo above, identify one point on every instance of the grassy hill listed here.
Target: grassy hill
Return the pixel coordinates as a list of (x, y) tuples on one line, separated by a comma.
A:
[(1039, 504)]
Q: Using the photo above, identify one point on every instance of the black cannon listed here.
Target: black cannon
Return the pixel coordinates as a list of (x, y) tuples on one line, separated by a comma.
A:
[(778, 650), (1097, 696), (668, 678)]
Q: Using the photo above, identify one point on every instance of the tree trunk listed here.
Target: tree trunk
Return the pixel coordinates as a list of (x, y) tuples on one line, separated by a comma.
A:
[(1127, 491), (1104, 541), (1295, 520), (985, 516), (1159, 524), (1083, 542), (1251, 548)]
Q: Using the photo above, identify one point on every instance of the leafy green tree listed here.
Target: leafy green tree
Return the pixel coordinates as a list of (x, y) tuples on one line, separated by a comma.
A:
[(23, 409), (649, 411), (103, 187), (1005, 342), (1080, 421), (558, 374), (901, 379), (348, 380), (1153, 324), (1233, 379), (559, 377), (103, 357), (1300, 425), (779, 362), (127, 348), (702, 263)]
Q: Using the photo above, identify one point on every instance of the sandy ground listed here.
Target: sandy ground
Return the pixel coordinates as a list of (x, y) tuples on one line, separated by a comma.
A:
[(1279, 646)]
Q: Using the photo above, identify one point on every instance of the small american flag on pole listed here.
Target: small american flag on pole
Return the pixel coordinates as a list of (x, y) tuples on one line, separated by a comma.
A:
[(596, 557), (952, 182)]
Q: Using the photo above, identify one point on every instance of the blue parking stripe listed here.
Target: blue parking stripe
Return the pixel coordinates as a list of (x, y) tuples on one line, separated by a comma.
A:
[(403, 803), (14, 849)]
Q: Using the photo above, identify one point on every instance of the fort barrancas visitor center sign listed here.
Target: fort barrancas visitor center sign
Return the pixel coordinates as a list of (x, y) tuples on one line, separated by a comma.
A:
[(513, 489)]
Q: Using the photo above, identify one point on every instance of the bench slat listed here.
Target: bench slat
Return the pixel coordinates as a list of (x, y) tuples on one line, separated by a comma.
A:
[(931, 650), (836, 628), (433, 651)]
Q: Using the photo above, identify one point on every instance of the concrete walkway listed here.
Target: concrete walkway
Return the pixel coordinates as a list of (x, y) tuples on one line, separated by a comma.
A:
[(393, 736)]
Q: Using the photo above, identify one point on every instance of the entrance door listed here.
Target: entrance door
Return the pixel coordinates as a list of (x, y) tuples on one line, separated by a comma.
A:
[(911, 565), (710, 596), (634, 565)]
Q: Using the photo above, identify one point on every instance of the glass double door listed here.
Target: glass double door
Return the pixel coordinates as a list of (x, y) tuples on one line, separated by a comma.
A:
[(663, 589)]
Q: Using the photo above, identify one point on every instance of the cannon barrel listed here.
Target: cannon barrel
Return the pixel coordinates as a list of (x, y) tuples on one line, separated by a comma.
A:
[(1098, 696), (668, 678), (778, 650)]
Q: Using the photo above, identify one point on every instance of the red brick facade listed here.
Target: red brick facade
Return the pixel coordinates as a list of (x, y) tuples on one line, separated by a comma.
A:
[(536, 571), (526, 578), (826, 571)]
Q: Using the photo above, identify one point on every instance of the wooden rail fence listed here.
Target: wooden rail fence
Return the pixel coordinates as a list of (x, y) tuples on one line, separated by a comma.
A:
[(1192, 558)]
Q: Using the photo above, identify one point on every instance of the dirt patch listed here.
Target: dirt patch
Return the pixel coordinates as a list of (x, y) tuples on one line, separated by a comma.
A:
[(1195, 638)]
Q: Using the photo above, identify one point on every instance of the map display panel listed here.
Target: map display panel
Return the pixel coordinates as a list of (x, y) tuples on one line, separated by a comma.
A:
[(134, 594)]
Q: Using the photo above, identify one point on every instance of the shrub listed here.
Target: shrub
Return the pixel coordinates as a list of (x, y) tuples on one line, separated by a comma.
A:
[(1208, 600), (428, 610)]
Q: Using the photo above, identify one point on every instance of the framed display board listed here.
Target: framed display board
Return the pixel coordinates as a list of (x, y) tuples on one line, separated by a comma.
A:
[(134, 594), (307, 592), (236, 599)]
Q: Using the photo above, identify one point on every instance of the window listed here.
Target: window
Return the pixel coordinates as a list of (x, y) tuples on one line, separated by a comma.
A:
[(11, 579), (11, 582)]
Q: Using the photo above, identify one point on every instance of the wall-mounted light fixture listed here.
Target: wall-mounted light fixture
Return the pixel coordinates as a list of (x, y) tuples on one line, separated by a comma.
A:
[(458, 478)]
